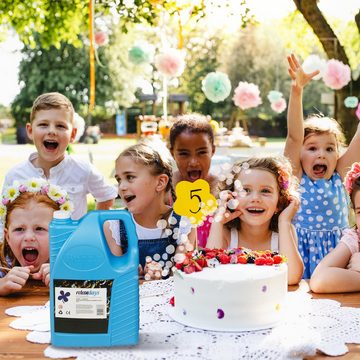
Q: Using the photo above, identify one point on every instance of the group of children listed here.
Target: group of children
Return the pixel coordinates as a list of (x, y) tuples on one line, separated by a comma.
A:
[(295, 204)]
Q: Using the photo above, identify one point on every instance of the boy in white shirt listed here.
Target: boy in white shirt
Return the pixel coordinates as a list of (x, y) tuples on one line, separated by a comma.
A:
[(51, 128)]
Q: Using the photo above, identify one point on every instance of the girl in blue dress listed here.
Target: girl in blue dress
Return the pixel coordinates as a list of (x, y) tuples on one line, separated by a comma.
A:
[(144, 180), (313, 147)]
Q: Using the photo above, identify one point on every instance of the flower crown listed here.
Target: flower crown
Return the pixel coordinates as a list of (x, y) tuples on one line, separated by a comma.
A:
[(284, 179), (54, 192), (351, 176)]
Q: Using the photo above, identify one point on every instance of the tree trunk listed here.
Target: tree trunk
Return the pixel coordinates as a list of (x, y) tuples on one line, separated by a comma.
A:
[(334, 50)]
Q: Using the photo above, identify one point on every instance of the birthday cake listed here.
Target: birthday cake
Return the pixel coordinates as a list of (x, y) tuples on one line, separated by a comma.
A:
[(233, 290)]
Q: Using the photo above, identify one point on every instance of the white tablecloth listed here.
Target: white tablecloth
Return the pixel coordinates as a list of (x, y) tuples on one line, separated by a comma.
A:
[(308, 325)]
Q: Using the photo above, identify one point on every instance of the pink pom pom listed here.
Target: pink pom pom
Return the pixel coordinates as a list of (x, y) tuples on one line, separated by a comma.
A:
[(5, 201), (279, 106), (170, 63), (336, 74), (357, 112), (247, 95), (101, 38), (61, 201)]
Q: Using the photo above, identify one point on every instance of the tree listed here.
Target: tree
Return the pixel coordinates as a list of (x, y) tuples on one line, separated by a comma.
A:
[(333, 49), (64, 70)]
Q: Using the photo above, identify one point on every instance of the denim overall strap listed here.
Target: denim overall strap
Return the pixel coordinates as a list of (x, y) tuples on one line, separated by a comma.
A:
[(158, 249)]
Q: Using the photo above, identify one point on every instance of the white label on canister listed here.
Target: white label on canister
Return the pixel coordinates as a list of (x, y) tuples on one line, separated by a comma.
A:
[(80, 303)]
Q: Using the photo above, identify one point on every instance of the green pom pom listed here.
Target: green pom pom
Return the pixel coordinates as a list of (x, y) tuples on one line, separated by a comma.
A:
[(216, 86)]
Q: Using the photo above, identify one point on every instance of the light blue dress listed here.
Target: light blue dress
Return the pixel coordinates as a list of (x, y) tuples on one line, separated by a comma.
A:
[(322, 216)]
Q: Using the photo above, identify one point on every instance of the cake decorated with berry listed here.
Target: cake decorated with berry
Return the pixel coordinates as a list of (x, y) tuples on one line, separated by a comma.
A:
[(230, 290)]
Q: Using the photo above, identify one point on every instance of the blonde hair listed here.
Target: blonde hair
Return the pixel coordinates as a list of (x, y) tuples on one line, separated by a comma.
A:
[(277, 165), (21, 202), (148, 156), (53, 100), (319, 125)]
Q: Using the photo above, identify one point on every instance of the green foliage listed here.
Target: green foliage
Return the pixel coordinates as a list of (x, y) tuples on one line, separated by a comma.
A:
[(201, 59), (65, 70), (54, 21), (5, 112)]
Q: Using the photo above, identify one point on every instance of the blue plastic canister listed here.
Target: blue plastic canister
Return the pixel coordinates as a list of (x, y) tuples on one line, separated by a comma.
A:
[(94, 295)]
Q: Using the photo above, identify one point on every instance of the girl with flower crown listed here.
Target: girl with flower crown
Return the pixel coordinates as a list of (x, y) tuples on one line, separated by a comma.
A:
[(314, 147), (26, 210), (259, 200), (339, 271)]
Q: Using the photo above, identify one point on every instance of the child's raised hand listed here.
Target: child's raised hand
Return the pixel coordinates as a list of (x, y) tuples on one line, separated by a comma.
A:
[(228, 209), (298, 76), (14, 280), (354, 263), (289, 212), (43, 274)]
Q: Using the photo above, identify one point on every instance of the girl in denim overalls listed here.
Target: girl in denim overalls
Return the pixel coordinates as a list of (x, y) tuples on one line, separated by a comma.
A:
[(144, 177)]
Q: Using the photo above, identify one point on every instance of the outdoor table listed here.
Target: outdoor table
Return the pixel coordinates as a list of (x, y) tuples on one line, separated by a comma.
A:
[(13, 344)]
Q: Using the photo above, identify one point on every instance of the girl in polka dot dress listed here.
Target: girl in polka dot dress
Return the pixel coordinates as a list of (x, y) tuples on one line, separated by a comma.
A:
[(144, 179), (339, 271), (313, 147)]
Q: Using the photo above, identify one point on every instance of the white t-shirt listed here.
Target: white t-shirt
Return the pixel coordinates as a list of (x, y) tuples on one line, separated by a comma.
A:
[(234, 240), (144, 233), (77, 177)]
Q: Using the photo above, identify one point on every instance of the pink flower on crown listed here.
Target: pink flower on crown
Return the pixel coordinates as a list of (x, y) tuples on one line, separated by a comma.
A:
[(22, 188), (351, 176), (284, 179), (45, 189)]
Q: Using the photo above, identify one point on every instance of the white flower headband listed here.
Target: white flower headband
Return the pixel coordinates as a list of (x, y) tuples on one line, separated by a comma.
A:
[(54, 192)]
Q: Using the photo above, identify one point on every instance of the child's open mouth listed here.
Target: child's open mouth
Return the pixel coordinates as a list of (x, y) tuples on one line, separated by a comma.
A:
[(30, 254), (129, 198), (194, 175), (255, 211), (51, 145), (319, 170)]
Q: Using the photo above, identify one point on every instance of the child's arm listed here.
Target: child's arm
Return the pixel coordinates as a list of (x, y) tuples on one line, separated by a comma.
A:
[(354, 263), (114, 247), (104, 205), (14, 280), (331, 275), (288, 242), (295, 135), (216, 236), (43, 274), (351, 155), (219, 236)]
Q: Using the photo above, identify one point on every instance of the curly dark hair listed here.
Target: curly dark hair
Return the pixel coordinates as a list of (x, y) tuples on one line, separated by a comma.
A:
[(191, 123)]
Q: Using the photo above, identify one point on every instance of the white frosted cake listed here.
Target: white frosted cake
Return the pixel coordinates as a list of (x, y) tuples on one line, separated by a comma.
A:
[(231, 297)]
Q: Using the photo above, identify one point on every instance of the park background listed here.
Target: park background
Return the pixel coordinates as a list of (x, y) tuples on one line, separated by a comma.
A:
[(44, 47)]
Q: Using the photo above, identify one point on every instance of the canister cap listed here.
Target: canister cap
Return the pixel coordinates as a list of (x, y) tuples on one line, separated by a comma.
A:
[(61, 214)]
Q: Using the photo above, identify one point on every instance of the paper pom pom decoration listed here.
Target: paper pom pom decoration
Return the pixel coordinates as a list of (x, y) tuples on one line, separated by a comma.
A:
[(141, 54), (170, 63), (336, 74), (274, 95), (279, 105), (247, 95), (216, 86), (312, 63), (357, 112), (351, 102), (101, 38), (79, 124)]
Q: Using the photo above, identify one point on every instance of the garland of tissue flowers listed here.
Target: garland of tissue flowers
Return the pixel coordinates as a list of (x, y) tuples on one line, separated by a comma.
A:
[(54, 192)]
